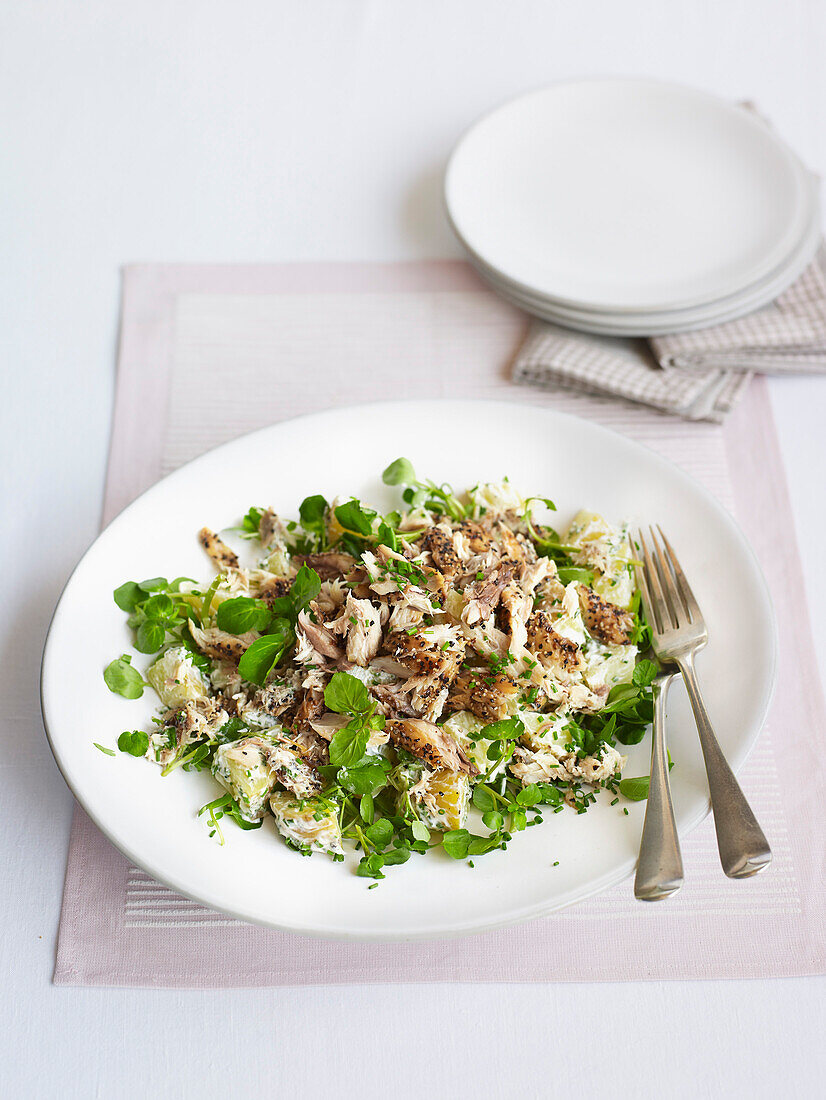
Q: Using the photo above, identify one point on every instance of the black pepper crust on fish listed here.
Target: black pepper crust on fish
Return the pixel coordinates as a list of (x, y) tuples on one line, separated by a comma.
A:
[(604, 620)]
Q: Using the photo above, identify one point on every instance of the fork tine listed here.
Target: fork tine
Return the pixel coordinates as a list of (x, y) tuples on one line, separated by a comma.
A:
[(670, 593), (661, 612), (691, 606), (647, 602)]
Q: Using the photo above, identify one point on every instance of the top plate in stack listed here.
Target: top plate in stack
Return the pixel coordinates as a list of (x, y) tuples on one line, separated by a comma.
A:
[(631, 207)]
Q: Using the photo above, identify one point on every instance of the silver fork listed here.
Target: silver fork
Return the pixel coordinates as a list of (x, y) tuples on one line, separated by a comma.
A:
[(678, 632), (660, 864)]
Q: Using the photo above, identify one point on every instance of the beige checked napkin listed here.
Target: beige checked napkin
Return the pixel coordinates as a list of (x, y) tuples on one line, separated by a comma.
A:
[(787, 336), (696, 375)]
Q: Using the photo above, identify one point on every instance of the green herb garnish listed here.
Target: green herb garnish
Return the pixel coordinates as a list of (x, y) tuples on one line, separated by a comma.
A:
[(134, 742), (122, 679)]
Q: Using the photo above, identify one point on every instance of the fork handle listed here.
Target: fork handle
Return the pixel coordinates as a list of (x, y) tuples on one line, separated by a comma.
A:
[(660, 865), (743, 847)]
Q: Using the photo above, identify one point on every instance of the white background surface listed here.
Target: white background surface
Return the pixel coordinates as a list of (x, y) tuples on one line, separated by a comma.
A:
[(273, 130)]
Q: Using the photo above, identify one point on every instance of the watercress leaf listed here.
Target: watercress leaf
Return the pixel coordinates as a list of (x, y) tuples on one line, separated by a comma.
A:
[(645, 711), (175, 586), (122, 679), (576, 734), (354, 516), (282, 607), (620, 695), (128, 596), (455, 843), (259, 659), (243, 613), (242, 822), (135, 742), (568, 573), (198, 758), (607, 731), (629, 735), (493, 820), (348, 744), (233, 810), (551, 796), (380, 833), (252, 521), (644, 673), (483, 798), (282, 629), (508, 729), (480, 844), (346, 695), (312, 512), (370, 866), (420, 831), (233, 729), (352, 545), (150, 636), (635, 789), (217, 806), (548, 503), (366, 811), (154, 584), (159, 606), (387, 536), (395, 856), (399, 472), (364, 779), (306, 587), (530, 795), (519, 820)]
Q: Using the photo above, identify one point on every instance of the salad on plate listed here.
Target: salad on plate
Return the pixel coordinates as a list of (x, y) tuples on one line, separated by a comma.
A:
[(440, 676)]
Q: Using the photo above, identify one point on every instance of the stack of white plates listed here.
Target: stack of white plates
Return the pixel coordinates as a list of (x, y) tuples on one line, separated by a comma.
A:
[(632, 207)]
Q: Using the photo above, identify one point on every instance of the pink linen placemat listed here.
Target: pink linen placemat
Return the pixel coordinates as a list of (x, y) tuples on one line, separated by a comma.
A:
[(210, 352)]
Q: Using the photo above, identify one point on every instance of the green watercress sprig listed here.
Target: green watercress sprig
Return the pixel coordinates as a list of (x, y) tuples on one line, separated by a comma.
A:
[(122, 679), (436, 498)]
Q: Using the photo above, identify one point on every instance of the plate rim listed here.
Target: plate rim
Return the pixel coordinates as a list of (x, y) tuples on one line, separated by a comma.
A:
[(631, 324), (614, 327), (730, 106), (467, 927)]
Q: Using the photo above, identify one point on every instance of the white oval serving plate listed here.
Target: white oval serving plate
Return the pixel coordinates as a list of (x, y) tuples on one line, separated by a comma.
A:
[(254, 876)]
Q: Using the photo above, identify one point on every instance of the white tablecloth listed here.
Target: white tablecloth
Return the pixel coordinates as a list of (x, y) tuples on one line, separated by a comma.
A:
[(269, 130)]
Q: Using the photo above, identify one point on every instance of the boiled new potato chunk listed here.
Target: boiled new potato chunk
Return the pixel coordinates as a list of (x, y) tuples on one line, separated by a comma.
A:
[(176, 679), (496, 497), (609, 664), (310, 823), (569, 623), (465, 729), (543, 730), (606, 549), (242, 768), (442, 798)]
